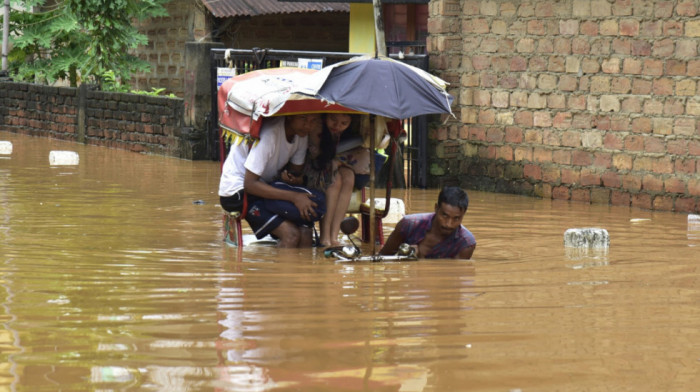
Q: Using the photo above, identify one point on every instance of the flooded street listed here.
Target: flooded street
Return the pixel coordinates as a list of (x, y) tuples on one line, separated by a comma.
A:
[(114, 276)]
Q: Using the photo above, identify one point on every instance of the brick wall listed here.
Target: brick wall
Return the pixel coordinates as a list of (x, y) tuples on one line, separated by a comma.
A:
[(587, 100), (165, 51), (132, 122)]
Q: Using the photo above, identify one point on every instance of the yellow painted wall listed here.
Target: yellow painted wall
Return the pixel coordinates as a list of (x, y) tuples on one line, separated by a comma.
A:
[(362, 38)]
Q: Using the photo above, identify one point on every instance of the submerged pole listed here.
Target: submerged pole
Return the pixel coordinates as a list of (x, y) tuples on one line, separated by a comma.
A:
[(380, 51)]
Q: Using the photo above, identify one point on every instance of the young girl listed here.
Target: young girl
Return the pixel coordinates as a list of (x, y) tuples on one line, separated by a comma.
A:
[(325, 172)]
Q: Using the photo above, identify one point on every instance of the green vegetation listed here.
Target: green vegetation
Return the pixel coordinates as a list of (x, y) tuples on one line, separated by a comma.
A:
[(81, 41)]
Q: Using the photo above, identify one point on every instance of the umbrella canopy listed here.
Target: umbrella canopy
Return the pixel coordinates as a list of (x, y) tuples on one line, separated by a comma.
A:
[(383, 86), (245, 99)]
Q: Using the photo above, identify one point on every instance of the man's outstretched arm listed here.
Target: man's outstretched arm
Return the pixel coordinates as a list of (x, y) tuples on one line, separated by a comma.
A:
[(391, 246), (466, 253)]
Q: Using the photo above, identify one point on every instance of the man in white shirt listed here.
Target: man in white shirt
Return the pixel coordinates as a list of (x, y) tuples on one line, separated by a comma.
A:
[(283, 142)]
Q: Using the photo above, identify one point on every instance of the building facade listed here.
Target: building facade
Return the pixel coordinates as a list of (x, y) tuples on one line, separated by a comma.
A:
[(587, 100)]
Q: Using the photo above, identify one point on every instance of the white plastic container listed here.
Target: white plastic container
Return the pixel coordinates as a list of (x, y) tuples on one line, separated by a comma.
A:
[(57, 158), (397, 209), (5, 147), (590, 237)]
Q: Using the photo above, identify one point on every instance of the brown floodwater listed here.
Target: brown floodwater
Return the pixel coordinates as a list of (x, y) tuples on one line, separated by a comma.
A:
[(114, 276)]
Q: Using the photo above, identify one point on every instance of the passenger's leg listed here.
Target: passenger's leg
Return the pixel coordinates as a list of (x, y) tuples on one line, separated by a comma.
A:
[(332, 193), (347, 179), (289, 235), (306, 240)]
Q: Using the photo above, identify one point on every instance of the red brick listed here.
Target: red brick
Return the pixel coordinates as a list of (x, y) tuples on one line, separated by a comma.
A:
[(652, 183), (663, 86), (621, 46), (663, 9), (641, 48), (514, 135), (602, 160), (694, 147), (562, 120), (570, 176), (580, 46), (620, 123), (634, 143), (686, 204), (663, 165), (643, 163), (589, 177), (631, 182), (600, 195), (621, 85), (629, 27), (650, 28), (641, 87), (694, 187), (674, 185), (686, 8), (560, 193), (571, 139), (532, 171), (641, 200), (686, 165), (674, 107), (694, 68), (632, 66), (522, 153), (581, 158), (542, 155), (653, 67), (620, 198), (611, 179), (477, 133), (551, 137), (654, 144), (562, 157), (524, 118), (676, 67), (581, 195), (568, 83), (677, 146), (582, 121), (589, 28), (505, 152), (551, 174), (495, 135), (612, 141), (663, 203)]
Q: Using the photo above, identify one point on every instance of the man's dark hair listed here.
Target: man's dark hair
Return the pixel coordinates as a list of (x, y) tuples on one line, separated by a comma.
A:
[(454, 196)]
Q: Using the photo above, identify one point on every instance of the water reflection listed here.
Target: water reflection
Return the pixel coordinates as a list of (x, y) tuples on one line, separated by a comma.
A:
[(114, 277)]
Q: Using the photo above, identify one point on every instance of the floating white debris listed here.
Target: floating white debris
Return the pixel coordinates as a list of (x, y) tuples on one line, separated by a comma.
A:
[(638, 220), (591, 237), (63, 158), (5, 147)]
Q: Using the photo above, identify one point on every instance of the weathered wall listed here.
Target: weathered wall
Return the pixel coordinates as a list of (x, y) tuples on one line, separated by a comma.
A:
[(317, 31), (132, 122), (587, 100), (167, 36)]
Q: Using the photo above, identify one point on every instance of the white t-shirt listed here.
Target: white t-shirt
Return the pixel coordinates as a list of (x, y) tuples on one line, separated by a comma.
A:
[(265, 159)]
